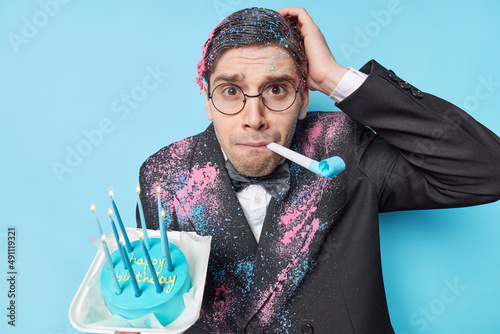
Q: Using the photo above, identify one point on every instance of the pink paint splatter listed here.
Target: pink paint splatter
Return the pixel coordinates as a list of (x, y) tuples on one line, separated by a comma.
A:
[(293, 217), (267, 310), (221, 289), (313, 135), (222, 305), (201, 64), (194, 191), (322, 132), (311, 229)]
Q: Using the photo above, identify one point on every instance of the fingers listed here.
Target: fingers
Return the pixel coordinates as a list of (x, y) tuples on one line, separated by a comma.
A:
[(324, 72), (305, 21), (298, 12), (201, 313)]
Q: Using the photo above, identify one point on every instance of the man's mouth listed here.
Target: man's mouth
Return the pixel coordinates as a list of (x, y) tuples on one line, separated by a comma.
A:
[(254, 145)]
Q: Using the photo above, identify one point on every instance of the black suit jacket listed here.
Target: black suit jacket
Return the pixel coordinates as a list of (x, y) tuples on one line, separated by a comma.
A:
[(317, 266)]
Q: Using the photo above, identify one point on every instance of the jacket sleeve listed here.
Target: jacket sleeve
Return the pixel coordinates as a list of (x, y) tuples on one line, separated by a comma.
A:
[(425, 152)]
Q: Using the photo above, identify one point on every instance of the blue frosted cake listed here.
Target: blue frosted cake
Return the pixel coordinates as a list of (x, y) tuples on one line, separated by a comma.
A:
[(166, 305)]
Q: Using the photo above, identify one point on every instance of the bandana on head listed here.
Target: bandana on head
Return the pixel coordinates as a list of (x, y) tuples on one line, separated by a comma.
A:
[(253, 27)]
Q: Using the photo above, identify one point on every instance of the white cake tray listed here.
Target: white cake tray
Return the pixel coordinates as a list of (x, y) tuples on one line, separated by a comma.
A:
[(196, 249)]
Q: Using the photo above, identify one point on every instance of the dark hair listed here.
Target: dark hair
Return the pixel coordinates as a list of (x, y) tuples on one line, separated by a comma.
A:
[(253, 27)]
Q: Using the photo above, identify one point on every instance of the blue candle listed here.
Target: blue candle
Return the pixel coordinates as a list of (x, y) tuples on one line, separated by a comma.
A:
[(158, 191), (117, 237), (160, 221), (123, 255), (120, 223), (92, 208), (151, 267), (110, 265), (143, 221), (130, 270), (164, 242), (106, 252)]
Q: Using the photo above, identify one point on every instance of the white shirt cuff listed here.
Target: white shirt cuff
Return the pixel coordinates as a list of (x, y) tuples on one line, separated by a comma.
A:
[(348, 84)]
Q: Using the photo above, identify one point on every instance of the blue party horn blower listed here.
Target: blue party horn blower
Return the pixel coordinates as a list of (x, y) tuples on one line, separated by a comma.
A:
[(330, 167)]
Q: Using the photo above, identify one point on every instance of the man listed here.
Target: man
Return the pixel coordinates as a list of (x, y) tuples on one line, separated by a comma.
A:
[(293, 251)]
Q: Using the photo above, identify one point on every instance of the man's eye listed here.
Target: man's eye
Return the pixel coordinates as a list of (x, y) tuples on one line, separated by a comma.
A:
[(276, 91), (231, 91)]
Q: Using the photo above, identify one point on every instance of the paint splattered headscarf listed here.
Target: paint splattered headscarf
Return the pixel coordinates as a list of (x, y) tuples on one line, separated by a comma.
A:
[(253, 27)]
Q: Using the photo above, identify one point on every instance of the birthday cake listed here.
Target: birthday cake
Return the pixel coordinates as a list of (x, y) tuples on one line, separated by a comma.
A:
[(163, 298)]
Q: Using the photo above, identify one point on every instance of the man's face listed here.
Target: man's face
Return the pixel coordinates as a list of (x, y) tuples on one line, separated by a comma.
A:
[(244, 136)]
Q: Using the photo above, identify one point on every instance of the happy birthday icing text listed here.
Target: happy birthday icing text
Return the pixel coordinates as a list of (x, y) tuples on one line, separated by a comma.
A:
[(143, 262), (142, 275)]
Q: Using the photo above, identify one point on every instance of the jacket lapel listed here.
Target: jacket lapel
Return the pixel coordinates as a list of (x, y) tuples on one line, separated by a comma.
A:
[(292, 235), (207, 202), (250, 282)]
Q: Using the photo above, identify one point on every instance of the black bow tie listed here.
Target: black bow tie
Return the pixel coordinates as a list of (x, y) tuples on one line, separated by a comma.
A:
[(276, 184)]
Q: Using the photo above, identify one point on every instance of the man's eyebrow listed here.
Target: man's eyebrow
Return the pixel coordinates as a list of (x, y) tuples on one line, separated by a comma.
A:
[(282, 76), (227, 77)]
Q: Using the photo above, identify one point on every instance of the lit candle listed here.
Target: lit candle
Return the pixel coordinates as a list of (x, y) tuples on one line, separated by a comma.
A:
[(92, 208), (141, 214), (120, 223), (158, 191), (110, 265), (164, 242), (150, 264), (117, 237), (106, 251), (130, 270)]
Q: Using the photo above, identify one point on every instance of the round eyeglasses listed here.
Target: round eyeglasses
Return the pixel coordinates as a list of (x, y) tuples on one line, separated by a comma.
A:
[(277, 95)]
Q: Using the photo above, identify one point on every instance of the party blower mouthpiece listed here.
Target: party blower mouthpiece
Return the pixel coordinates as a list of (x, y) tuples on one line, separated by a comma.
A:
[(330, 167)]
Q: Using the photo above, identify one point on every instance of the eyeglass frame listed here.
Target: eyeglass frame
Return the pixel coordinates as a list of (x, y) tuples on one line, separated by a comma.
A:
[(210, 95)]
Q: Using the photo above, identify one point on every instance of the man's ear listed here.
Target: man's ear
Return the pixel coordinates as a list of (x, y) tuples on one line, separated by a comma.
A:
[(207, 103), (304, 103)]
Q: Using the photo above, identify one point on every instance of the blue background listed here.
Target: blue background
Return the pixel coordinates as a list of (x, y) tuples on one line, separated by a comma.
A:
[(65, 69)]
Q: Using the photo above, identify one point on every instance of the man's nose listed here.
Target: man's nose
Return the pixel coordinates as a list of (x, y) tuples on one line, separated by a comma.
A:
[(254, 113)]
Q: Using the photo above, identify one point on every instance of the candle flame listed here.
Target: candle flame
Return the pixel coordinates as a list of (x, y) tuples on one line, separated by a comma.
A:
[(141, 235), (162, 213), (103, 238), (110, 212), (122, 241), (111, 193), (92, 208), (138, 189), (158, 189)]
